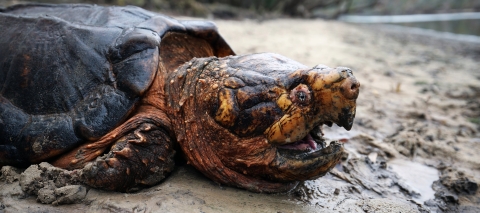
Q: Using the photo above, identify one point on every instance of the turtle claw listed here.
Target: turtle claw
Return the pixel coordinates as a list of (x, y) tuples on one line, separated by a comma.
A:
[(131, 165), (139, 136)]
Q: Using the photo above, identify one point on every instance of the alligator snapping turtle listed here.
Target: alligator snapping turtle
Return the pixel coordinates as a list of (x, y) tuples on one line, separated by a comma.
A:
[(113, 91)]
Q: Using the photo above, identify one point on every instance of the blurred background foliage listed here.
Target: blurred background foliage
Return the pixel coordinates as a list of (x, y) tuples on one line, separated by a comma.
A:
[(239, 9)]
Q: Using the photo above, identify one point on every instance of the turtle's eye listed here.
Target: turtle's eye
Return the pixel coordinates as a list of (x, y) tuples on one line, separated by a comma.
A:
[(300, 94), (302, 97)]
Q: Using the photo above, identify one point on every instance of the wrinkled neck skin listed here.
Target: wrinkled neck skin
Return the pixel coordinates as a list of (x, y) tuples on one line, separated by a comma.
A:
[(236, 117)]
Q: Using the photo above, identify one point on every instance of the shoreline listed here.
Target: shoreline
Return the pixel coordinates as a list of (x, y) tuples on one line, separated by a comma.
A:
[(416, 99)]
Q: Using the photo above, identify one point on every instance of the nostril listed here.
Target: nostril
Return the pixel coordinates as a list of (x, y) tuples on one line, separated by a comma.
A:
[(350, 88), (355, 86)]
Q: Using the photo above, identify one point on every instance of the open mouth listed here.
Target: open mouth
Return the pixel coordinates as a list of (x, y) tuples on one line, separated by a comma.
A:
[(312, 143)]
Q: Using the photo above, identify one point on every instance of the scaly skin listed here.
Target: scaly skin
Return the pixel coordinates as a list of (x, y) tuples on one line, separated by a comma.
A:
[(117, 108), (234, 114)]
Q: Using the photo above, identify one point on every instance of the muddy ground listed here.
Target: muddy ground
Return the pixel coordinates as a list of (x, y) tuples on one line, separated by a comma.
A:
[(413, 148)]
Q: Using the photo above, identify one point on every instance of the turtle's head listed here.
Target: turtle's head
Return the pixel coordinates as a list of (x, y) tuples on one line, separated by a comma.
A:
[(255, 121)]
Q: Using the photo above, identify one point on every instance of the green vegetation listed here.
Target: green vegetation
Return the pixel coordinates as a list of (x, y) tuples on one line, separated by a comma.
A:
[(420, 82), (474, 120)]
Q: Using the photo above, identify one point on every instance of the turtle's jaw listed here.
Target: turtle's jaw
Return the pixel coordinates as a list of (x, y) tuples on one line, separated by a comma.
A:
[(301, 151), (312, 142), (308, 158)]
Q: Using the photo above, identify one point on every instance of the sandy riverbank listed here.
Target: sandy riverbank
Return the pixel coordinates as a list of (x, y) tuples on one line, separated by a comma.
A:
[(417, 121)]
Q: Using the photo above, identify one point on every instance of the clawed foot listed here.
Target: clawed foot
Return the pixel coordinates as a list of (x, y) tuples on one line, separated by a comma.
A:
[(141, 158)]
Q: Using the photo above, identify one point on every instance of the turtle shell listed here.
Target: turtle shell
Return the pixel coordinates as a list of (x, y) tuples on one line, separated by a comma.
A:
[(72, 73)]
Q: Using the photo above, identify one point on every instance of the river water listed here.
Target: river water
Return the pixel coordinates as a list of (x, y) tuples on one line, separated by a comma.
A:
[(458, 23)]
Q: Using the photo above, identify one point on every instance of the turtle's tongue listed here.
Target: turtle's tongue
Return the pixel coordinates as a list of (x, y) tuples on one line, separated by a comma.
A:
[(306, 143)]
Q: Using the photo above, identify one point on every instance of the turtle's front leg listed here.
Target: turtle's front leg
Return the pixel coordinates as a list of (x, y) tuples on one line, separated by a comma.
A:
[(142, 157)]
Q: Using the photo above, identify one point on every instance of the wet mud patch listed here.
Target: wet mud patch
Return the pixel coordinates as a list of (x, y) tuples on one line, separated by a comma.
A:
[(416, 175), (364, 181), (455, 191), (418, 108)]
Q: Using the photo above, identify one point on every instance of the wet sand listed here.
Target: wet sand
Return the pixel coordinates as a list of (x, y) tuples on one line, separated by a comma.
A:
[(413, 147)]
